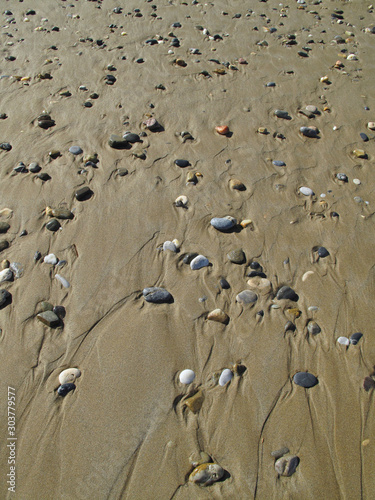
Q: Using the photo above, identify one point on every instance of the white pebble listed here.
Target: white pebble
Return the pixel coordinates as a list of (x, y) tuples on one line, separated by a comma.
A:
[(306, 191), (187, 376), (357, 181), (335, 128), (198, 262), (225, 377), (69, 376), (65, 283), (323, 195), (306, 275), (343, 340), (169, 245), (51, 259), (313, 308), (6, 275), (181, 201)]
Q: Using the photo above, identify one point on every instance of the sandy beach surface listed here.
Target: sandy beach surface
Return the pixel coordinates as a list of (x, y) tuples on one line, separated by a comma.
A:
[(298, 187)]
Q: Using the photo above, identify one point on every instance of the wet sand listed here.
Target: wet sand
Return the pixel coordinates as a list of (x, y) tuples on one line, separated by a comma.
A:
[(125, 432)]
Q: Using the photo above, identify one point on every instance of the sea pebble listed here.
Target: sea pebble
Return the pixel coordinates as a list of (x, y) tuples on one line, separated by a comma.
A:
[(368, 383), (83, 193), (306, 191), (219, 316), (4, 226), (371, 125), (224, 283), (206, 474), (181, 201), (263, 285), (59, 213), (169, 245), (305, 379), (355, 338), (357, 182), (187, 376), (53, 225), (364, 137), (189, 257), (225, 377), (157, 295), (246, 297), (65, 388), (237, 256), (222, 129), (4, 244), (281, 114), (130, 137), (287, 293), (65, 283), (279, 163), (151, 124), (198, 262), (194, 403), (223, 223), (5, 298), (359, 153), (59, 311), (280, 452), (313, 328), (6, 275), (49, 318), (50, 259), (343, 340), (69, 375), (75, 150), (182, 163), (118, 142), (309, 131), (237, 185), (323, 252), (286, 466)]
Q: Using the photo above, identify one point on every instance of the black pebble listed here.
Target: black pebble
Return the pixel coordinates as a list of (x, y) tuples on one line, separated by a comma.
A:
[(65, 388), (23, 233), (84, 193), (34, 168), (252, 274), (224, 283), (355, 338), (323, 252), (37, 256), (305, 379), (363, 137), (285, 292), (255, 265), (182, 163), (5, 298), (189, 257), (59, 311), (53, 225), (44, 176)]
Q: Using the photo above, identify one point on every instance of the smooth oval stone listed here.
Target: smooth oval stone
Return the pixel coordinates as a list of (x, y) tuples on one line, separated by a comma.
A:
[(5, 297), (237, 256), (60, 213), (182, 163), (198, 262), (224, 283), (51, 259), (151, 124), (117, 142), (286, 466), (355, 338), (223, 223), (313, 328), (75, 150), (225, 377), (219, 316), (285, 292), (271, 84), (157, 295), (65, 388), (181, 201), (247, 297), (132, 138), (342, 177), (281, 114), (279, 453), (323, 252), (53, 225), (343, 340), (3, 245), (259, 283), (305, 379), (169, 245), (6, 275), (308, 131), (368, 383), (306, 191), (189, 257), (46, 123), (363, 137), (69, 376), (83, 193), (279, 163), (49, 318), (4, 226), (206, 474), (65, 283), (187, 376), (312, 109)]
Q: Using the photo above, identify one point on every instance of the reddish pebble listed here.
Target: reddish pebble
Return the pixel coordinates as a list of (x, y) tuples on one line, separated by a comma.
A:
[(241, 60), (222, 129)]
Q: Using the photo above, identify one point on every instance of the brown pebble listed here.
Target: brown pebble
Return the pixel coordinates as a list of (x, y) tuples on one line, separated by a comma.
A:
[(194, 403), (236, 184), (5, 264), (3, 245), (219, 316)]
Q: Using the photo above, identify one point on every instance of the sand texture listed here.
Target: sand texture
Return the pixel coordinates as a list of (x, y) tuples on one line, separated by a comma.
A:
[(128, 429)]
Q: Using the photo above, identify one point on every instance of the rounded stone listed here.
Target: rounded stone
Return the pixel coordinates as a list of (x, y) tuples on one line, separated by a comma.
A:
[(237, 185), (34, 167), (281, 114), (51, 259), (53, 225), (4, 244), (59, 213), (306, 191), (364, 137), (206, 474), (286, 466), (219, 316), (83, 193), (151, 124), (181, 201), (313, 328), (118, 142), (6, 275), (312, 109), (189, 257), (247, 297), (198, 262), (223, 223), (169, 245), (4, 226), (323, 252), (69, 376), (65, 388), (280, 452), (225, 377), (287, 293), (186, 376), (182, 163), (75, 150), (309, 131), (5, 298), (342, 177), (237, 256), (371, 125), (343, 341), (157, 295), (355, 338), (224, 283), (49, 318), (263, 285), (305, 379), (132, 138), (279, 163)]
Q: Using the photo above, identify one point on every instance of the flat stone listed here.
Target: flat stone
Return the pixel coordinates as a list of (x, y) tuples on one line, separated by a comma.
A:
[(306, 191), (287, 293), (313, 328), (75, 150), (279, 163), (182, 163), (305, 379), (223, 223), (53, 225), (5, 298), (219, 316), (69, 376), (65, 388), (4, 226), (206, 474), (247, 297), (60, 213), (237, 256), (194, 403), (45, 306), (157, 295), (312, 109), (118, 142), (198, 262), (4, 244), (286, 466), (282, 114), (309, 131), (132, 138), (49, 318), (280, 452), (224, 283), (83, 193), (360, 153), (364, 137), (225, 377), (169, 245), (355, 338), (237, 185)]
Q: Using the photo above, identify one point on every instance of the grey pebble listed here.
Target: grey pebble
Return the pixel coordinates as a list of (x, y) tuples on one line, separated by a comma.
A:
[(237, 256), (282, 114), (3, 245), (313, 328), (5, 298), (224, 283), (157, 295), (355, 338), (75, 150), (280, 452), (130, 137), (182, 163), (189, 257), (118, 142), (4, 226), (363, 137), (285, 292), (34, 167), (223, 223), (279, 163), (53, 225), (65, 388), (247, 297), (305, 379), (323, 252)]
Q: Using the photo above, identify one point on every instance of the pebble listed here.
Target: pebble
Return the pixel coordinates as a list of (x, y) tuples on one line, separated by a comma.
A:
[(282, 114), (223, 223), (286, 466), (65, 283), (182, 163), (151, 124), (359, 153), (222, 129), (279, 163), (364, 137), (355, 338), (59, 213), (157, 295), (237, 185), (132, 138), (219, 316), (246, 297), (305, 379), (181, 201), (6, 146), (237, 256), (194, 403), (118, 142), (343, 340), (69, 376), (6, 275), (3, 245), (224, 284), (49, 318), (225, 377), (279, 453), (309, 131), (189, 257), (75, 150), (187, 376), (263, 285), (368, 383), (169, 245), (65, 388), (4, 226), (206, 474), (323, 252), (306, 191), (51, 259), (59, 311), (198, 262), (371, 125), (5, 298), (313, 328), (83, 193), (312, 109), (53, 225), (45, 121), (357, 182), (287, 293)]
